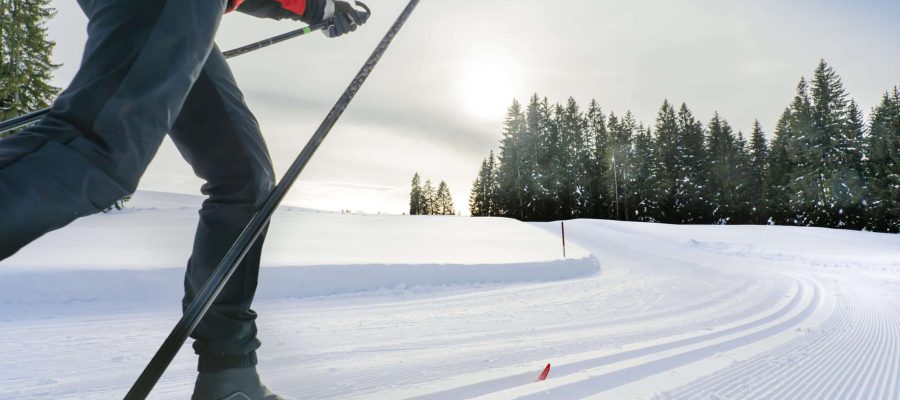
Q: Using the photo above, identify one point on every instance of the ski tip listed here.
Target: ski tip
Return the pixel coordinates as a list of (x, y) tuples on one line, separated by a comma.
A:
[(544, 374)]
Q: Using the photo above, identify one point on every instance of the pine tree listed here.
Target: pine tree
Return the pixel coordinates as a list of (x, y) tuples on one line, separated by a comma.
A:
[(569, 161), (512, 170), (883, 167), (724, 171), (482, 200), (597, 194), (646, 178), (416, 197), (778, 171), (758, 162), (690, 203), (806, 153), (619, 146), (25, 57), (743, 199), (847, 184), (666, 156), (443, 201), (429, 199)]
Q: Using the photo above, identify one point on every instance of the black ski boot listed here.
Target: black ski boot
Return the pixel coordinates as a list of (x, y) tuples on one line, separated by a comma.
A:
[(232, 384)]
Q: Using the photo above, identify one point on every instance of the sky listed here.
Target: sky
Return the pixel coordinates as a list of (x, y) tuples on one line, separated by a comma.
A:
[(436, 102)]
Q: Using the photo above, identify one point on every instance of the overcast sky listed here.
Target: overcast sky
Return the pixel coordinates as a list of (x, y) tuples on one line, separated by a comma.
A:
[(436, 102)]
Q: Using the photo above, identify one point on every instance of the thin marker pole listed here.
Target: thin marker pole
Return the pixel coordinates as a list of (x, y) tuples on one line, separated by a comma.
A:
[(562, 226)]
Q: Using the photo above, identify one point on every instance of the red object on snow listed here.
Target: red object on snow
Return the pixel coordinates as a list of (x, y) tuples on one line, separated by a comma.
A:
[(543, 375)]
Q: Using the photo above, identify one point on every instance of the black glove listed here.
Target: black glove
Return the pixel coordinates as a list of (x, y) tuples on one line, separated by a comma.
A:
[(345, 18)]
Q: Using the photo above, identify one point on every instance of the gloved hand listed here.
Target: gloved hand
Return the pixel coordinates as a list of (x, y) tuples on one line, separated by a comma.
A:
[(344, 17)]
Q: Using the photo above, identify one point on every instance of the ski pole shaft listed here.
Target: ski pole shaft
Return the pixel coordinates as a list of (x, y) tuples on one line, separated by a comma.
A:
[(33, 117), (257, 224), (22, 120), (274, 40)]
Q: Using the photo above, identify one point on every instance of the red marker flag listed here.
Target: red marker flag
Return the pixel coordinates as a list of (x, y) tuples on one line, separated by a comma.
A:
[(544, 373)]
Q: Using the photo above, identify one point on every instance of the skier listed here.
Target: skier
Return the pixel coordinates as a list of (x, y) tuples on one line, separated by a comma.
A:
[(150, 68)]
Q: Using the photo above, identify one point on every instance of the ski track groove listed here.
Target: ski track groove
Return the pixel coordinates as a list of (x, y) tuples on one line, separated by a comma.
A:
[(373, 380), (852, 355), (484, 388), (600, 383)]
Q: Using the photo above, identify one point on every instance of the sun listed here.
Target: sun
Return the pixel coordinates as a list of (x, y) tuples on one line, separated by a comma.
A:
[(486, 88)]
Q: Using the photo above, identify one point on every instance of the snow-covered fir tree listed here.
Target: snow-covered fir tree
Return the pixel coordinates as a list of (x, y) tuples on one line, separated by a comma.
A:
[(758, 153), (691, 169), (667, 156), (725, 172), (647, 172)]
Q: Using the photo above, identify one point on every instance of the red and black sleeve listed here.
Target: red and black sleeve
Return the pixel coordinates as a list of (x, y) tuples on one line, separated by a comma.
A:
[(309, 11)]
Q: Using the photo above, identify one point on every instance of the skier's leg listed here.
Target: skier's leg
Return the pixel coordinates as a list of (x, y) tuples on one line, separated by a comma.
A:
[(218, 135), (140, 61)]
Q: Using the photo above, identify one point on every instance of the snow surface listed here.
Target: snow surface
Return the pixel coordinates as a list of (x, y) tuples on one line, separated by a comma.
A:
[(398, 307)]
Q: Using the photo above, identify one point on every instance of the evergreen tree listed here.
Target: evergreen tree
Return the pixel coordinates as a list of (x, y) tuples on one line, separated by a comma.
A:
[(744, 201), (25, 57), (646, 178), (756, 189), (618, 148), (546, 155), (512, 170), (806, 151), (569, 161), (443, 201), (724, 171), (667, 156), (537, 121), (779, 167), (597, 201), (883, 167), (690, 203), (847, 184), (416, 197), (429, 197), (482, 200), (825, 185)]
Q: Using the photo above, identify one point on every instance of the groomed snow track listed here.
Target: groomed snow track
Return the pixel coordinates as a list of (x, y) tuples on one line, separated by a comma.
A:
[(678, 312)]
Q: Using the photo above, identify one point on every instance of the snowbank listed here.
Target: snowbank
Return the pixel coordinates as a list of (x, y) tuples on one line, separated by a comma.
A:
[(137, 255)]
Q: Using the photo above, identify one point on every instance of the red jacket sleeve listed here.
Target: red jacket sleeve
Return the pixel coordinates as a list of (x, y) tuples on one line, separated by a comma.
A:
[(295, 6)]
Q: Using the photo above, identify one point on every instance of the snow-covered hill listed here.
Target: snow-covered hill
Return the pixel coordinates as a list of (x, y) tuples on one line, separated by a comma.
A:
[(397, 307)]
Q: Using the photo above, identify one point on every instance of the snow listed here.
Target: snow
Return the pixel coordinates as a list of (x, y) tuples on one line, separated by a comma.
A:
[(399, 307)]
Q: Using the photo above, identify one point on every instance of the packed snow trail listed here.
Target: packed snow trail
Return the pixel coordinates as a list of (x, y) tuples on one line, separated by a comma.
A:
[(677, 312)]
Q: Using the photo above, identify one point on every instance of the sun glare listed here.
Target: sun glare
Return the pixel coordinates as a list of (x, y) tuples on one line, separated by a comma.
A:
[(486, 88)]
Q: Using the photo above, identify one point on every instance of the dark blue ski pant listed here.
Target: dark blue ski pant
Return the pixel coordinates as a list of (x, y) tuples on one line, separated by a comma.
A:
[(150, 68)]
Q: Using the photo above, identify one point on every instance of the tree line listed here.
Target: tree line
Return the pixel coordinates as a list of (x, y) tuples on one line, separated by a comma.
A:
[(826, 165), (424, 199)]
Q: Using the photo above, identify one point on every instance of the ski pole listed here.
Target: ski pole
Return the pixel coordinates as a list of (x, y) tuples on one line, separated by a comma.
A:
[(260, 220), (32, 117)]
